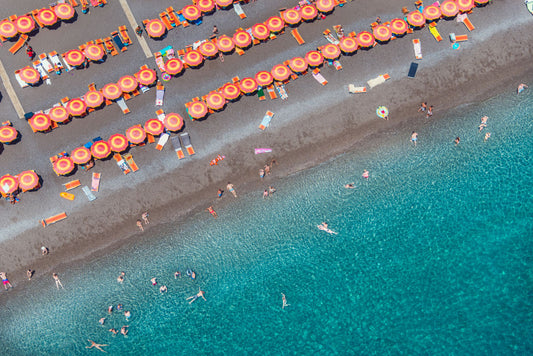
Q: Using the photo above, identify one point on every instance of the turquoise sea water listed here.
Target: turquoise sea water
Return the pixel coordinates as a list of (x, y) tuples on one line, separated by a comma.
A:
[(433, 256)]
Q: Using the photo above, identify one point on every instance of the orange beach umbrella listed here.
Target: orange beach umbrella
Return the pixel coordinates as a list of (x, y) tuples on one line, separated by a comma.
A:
[(416, 19), (208, 49), (8, 184), (47, 17), (308, 12), (59, 114), (242, 39), (173, 66), (146, 76), (191, 12), (365, 39), (40, 122), (298, 64), (215, 100), (275, 24), (264, 78), (136, 134), (25, 24), (154, 127), (118, 142), (127, 83), (111, 91), (280, 72), (291, 16), (248, 85), (155, 28), (449, 8), (260, 31), (76, 107), (382, 33), (63, 165), (225, 44), (398, 26), (432, 12), (206, 6), (197, 109), (28, 180), (173, 122), (81, 155), (330, 51), (100, 149), (230, 91), (8, 134), (314, 58), (8, 29), (325, 5), (465, 5), (93, 98), (29, 75), (64, 11), (224, 3), (74, 57), (194, 58), (348, 44), (94, 52)]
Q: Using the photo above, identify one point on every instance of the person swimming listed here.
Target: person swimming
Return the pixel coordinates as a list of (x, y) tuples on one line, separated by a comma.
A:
[(163, 289), (120, 307), (153, 280), (366, 174), (191, 273), (196, 296), (284, 300), (349, 186), (127, 314), (521, 88)]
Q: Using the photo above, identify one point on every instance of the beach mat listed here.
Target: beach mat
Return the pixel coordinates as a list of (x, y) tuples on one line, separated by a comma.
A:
[(88, 193), (412, 70)]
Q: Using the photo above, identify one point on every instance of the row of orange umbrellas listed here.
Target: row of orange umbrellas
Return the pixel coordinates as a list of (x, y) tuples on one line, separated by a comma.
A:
[(26, 23), (25, 181)]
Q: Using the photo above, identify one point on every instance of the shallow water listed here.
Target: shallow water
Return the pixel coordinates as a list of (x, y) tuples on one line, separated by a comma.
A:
[(433, 256)]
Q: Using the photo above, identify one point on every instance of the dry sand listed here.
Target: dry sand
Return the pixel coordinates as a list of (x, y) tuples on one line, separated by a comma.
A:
[(314, 124)]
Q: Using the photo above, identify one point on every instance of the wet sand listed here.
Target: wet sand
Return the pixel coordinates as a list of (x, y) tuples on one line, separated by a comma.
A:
[(314, 124)]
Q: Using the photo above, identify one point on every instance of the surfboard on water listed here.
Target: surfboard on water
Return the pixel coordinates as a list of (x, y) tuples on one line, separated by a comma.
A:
[(323, 228)]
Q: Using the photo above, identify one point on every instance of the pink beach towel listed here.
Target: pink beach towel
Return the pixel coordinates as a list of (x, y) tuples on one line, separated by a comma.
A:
[(262, 150)]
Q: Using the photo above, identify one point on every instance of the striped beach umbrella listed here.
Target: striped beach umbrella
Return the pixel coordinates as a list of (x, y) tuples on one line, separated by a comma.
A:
[(74, 57), (29, 75), (111, 91), (81, 155), (348, 45), (314, 58), (325, 5), (224, 3), (64, 11), (154, 127), (94, 52), (449, 8), (28, 180), (100, 149), (136, 134), (127, 83), (465, 5), (40, 122), (205, 6), (8, 134), (47, 17), (264, 78), (76, 107), (208, 49), (173, 121), (416, 19), (63, 166), (8, 184), (146, 76), (398, 27), (298, 64), (248, 85), (93, 98), (280, 72), (275, 24), (242, 39), (225, 44), (432, 12), (25, 24), (215, 101), (8, 29), (155, 28), (193, 58), (230, 91), (382, 33), (191, 12), (331, 51), (197, 109), (291, 16), (308, 12), (174, 66), (365, 39), (59, 114), (260, 31), (118, 142)]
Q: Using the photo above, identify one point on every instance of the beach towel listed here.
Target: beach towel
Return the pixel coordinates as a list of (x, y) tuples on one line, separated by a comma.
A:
[(88, 193), (266, 120), (412, 70), (281, 90), (330, 38), (162, 141), (238, 9), (53, 219), (121, 163), (318, 77), (262, 150), (95, 184), (261, 93), (160, 94), (354, 90), (297, 36), (417, 48), (337, 64), (67, 196), (72, 184), (378, 80), (177, 147)]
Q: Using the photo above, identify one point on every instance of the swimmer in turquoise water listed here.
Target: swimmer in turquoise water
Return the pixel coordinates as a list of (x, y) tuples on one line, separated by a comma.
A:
[(196, 296)]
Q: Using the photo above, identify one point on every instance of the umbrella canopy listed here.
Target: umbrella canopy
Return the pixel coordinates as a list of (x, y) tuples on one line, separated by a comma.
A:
[(100, 149), (197, 109), (264, 78), (465, 5), (215, 100), (206, 6), (208, 49), (224, 3), (382, 33), (28, 180), (93, 98), (314, 58), (416, 19), (194, 58), (298, 64), (308, 12), (291, 16), (146, 76), (59, 114), (154, 127), (173, 121), (29, 75), (449, 8), (275, 24), (136, 134), (74, 57), (398, 26), (280, 72), (432, 12), (173, 66), (8, 184), (47, 17), (348, 44), (118, 142), (64, 11), (231, 91), (242, 39), (325, 5), (331, 51), (260, 31), (76, 107), (382, 112), (8, 29), (94, 52), (8, 134), (25, 24), (111, 91), (40, 122), (63, 165), (248, 85), (127, 83), (191, 12), (81, 155), (225, 44), (155, 28)]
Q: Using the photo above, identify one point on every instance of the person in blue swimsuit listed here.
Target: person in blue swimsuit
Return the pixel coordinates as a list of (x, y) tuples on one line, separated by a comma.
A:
[(414, 137)]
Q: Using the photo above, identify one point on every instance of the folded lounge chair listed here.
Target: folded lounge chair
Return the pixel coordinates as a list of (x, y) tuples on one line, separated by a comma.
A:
[(95, 183), (266, 120), (90, 196), (177, 146), (297, 37), (417, 48), (160, 94), (162, 141), (318, 77), (412, 70), (186, 141), (53, 219)]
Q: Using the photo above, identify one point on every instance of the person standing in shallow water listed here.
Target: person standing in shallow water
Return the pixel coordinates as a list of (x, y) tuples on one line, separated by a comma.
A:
[(414, 137), (58, 282)]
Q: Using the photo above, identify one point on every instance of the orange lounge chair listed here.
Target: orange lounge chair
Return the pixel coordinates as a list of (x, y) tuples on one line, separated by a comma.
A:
[(186, 141), (67, 196), (183, 23), (124, 34), (272, 92), (164, 17), (121, 163), (177, 147), (18, 45), (34, 13), (173, 17), (318, 77), (110, 47), (239, 51), (72, 184), (150, 138), (461, 38), (73, 3), (95, 183), (266, 120), (129, 160), (296, 35), (53, 219), (468, 24)]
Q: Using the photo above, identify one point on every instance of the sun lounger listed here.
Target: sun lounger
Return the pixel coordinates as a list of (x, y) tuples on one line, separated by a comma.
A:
[(53, 219), (433, 29), (122, 103), (330, 38), (160, 115), (46, 64), (182, 19), (159, 62), (22, 83), (54, 57), (160, 94), (72, 184), (67, 196), (467, 23), (458, 38), (297, 36), (356, 90), (319, 77), (95, 183), (281, 90), (129, 160), (162, 141), (177, 147), (121, 163), (118, 41), (44, 75), (266, 120), (337, 64), (412, 70), (186, 142), (166, 20), (124, 34), (19, 44), (261, 93), (271, 92), (238, 9), (378, 80), (173, 17), (417, 48), (110, 47), (90, 196)]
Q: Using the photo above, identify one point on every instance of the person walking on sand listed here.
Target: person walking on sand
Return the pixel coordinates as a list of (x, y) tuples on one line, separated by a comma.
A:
[(261, 173), (423, 107), (231, 188), (521, 88), (430, 112), (414, 137), (139, 31), (95, 345), (284, 300), (44, 250), (140, 225), (144, 216), (212, 212), (58, 282), (5, 281), (215, 30), (196, 296)]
